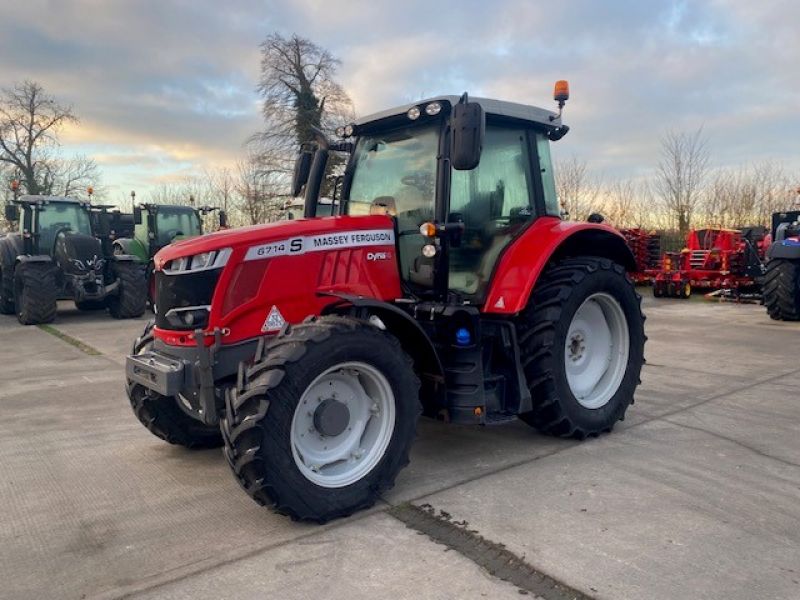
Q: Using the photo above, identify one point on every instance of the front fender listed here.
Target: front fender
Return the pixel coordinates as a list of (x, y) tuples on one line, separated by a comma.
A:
[(412, 338), (549, 239), (131, 247), (34, 258), (125, 258)]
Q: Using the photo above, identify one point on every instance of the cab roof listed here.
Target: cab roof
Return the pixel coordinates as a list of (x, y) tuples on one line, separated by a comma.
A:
[(500, 108), (41, 199)]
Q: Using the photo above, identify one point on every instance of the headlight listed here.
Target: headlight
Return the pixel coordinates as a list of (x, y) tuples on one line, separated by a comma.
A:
[(201, 261), (349, 130), (434, 108), (413, 113), (214, 259), (188, 316)]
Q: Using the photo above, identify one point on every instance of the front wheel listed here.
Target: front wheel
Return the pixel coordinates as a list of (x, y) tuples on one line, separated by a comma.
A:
[(323, 420), (35, 293), (7, 290), (161, 415), (582, 344), (130, 300)]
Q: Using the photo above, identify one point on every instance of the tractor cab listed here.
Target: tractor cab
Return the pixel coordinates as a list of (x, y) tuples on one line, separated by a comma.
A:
[(42, 218), (461, 178), (157, 225)]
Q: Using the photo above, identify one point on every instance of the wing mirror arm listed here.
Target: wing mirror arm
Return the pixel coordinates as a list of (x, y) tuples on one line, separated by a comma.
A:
[(316, 173)]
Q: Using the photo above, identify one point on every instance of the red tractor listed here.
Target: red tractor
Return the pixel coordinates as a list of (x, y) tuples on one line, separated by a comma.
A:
[(445, 284), (713, 259)]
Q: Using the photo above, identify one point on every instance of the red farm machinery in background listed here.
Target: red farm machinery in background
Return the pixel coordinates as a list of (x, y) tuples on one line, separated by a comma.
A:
[(646, 249), (714, 259)]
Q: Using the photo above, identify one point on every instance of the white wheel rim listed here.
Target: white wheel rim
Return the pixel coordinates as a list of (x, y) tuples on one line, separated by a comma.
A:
[(596, 350), (335, 461)]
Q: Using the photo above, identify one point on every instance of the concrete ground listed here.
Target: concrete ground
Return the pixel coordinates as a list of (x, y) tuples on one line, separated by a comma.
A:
[(695, 495)]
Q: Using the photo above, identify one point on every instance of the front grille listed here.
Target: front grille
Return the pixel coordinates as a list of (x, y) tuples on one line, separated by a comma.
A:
[(180, 291)]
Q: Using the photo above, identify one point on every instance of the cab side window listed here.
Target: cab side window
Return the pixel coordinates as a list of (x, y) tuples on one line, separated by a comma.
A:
[(494, 202)]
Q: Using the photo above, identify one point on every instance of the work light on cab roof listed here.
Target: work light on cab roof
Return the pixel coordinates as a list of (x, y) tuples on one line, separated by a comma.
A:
[(441, 277)]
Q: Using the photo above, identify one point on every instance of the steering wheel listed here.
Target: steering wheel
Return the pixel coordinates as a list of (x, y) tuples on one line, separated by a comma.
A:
[(171, 234), (422, 180), (59, 228)]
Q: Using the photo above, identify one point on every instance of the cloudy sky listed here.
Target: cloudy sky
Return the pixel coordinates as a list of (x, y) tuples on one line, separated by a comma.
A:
[(166, 88)]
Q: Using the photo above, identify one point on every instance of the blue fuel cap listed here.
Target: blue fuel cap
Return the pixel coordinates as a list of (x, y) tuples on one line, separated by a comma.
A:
[(463, 337)]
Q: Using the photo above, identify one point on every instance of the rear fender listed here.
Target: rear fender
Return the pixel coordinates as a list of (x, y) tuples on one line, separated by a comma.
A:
[(788, 249), (549, 240), (412, 338), (8, 251)]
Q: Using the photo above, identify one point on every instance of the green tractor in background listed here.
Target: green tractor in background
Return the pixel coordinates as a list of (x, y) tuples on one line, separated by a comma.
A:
[(158, 225)]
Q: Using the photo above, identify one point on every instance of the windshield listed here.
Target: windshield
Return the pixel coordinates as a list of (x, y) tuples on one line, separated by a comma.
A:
[(175, 222), (395, 174), (58, 216)]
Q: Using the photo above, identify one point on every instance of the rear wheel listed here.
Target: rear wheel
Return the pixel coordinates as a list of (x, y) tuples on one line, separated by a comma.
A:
[(685, 290), (781, 288), (658, 289), (162, 416), (323, 420), (582, 342), (35, 293), (130, 301), (7, 290)]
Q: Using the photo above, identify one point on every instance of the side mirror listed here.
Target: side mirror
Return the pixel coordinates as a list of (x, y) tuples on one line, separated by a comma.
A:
[(467, 125), (137, 215), (223, 219), (12, 212), (302, 168)]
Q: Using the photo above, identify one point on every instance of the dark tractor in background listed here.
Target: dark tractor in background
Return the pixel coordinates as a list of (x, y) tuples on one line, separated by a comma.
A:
[(62, 249), (782, 279)]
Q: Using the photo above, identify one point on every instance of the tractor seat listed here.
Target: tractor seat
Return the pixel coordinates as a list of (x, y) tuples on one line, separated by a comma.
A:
[(383, 205)]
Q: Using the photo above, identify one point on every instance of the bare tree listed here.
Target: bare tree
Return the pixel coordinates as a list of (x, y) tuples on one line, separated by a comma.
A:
[(261, 191), (577, 191), (622, 204), (681, 173), (776, 190), (221, 188), (30, 120), (73, 176), (299, 90), (174, 192)]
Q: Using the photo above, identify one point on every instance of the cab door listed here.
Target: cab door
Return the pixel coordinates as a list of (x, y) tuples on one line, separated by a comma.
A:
[(495, 202)]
